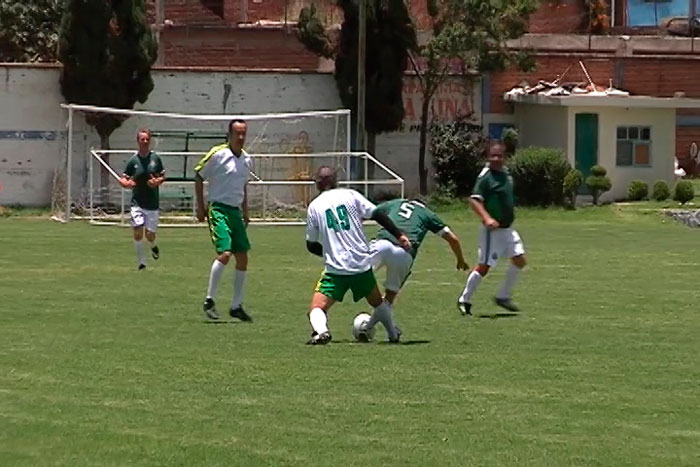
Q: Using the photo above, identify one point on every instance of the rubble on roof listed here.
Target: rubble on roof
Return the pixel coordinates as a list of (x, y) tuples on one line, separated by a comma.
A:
[(545, 88)]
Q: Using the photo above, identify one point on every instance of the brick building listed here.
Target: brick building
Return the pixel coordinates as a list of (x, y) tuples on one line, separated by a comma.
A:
[(636, 53)]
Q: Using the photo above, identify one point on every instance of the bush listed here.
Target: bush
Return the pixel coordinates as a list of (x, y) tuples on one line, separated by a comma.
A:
[(510, 140), (660, 192), (457, 149), (637, 190), (684, 191), (598, 183), (572, 182), (538, 175)]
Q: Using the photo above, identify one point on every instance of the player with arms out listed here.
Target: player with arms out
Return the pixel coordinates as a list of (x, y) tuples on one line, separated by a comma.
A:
[(143, 174), (416, 220), (492, 200), (226, 167), (334, 231)]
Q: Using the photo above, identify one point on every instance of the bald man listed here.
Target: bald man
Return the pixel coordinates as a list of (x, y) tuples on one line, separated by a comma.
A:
[(334, 231)]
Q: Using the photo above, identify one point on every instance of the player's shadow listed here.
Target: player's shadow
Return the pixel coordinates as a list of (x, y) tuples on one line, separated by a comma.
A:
[(354, 342), (221, 321), (500, 314)]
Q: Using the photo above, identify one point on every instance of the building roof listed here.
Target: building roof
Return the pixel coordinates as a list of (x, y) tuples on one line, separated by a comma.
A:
[(603, 100)]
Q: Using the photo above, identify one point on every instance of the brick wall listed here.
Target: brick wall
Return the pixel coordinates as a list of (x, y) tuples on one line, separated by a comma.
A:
[(253, 48), (562, 17)]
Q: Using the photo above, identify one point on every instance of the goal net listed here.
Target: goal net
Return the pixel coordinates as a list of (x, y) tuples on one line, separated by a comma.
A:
[(286, 150)]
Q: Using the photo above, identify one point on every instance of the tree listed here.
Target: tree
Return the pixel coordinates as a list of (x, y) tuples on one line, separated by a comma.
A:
[(29, 30), (107, 50), (390, 34), (469, 37)]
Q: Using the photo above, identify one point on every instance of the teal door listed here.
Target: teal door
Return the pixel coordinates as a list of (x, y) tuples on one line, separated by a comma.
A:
[(586, 144)]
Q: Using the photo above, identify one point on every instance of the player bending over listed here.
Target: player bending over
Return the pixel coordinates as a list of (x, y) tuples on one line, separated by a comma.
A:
[(416, 220), (335, 232)]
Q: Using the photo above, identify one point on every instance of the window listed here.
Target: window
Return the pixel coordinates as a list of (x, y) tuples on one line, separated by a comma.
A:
[(633, 146), (652, 12)]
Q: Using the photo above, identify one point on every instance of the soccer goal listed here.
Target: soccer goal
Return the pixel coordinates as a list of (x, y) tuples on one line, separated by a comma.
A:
[(286, 148)]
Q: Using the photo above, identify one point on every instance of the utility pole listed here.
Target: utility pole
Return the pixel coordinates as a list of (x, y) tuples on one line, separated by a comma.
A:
[(361, 134), (160, 23)]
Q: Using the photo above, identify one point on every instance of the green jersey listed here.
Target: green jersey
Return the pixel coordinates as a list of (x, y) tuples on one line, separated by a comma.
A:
[(411, 217), (495, 190), (140, 169)]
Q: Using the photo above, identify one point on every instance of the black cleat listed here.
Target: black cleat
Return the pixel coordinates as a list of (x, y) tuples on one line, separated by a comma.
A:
[(155, 252), (142, 267), (210, 309), (465, 308), (398, 336), (506, 303), (240, 314), (319, 339)]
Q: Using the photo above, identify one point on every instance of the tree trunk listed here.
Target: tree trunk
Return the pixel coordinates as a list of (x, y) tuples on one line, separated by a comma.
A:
[(422, 170), (371, 149)]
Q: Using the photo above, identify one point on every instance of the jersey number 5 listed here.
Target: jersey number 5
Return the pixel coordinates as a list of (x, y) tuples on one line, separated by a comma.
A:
[(406, 210), (332, 221)]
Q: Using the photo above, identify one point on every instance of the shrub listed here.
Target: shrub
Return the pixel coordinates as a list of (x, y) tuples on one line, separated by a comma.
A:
[(637, 190), (457, 149), (660, 192), (510, 140), (538, 175), (572, 182), (598, 182), (684, 191)]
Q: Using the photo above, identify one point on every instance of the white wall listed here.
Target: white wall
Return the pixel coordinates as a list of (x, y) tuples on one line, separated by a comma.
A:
[(33, 136), (541, 125), (663, 144)]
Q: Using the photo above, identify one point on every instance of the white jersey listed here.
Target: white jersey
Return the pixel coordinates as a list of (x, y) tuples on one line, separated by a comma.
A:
[(226, 173), (334, 219)]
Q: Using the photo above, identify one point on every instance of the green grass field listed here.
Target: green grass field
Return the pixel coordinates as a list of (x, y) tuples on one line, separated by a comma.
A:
[(101, 365)]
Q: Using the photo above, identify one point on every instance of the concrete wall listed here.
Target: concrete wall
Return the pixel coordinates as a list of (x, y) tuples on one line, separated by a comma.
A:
[(540, 125), (33, 127), (663, 144)]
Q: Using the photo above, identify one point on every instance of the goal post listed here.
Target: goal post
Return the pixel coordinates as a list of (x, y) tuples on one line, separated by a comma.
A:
[(286, 148)]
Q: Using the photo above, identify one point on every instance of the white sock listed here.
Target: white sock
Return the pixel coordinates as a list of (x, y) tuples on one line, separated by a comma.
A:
[(383, 314), (238, 284), (152, 243), (473, 282), (509, 281), (217, 268), (138, 244), (318, 320)]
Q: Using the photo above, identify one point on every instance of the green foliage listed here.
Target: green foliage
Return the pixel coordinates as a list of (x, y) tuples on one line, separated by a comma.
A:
[(457, 149), (598, 182), (598, 171), (572, 182), (684, 191), (107, 50), (29, 30), (660, 192), (637, 190), (390, 34), (538, 175), (510, 140)]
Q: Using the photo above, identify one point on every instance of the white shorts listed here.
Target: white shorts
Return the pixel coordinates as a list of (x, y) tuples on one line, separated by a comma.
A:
[(397, 261), (499, 243), (144, 218)]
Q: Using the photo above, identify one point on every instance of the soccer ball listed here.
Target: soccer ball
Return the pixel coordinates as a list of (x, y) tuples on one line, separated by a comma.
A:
[(359, 328)]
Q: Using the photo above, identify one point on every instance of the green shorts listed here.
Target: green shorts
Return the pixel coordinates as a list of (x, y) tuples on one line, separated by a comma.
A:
[(335, 285), (228, 232)]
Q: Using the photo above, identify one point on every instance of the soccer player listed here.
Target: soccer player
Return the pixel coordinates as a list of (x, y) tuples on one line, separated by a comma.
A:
[(334, 231), (492, 201), (226, 168), (416, 219), (143, 174)]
